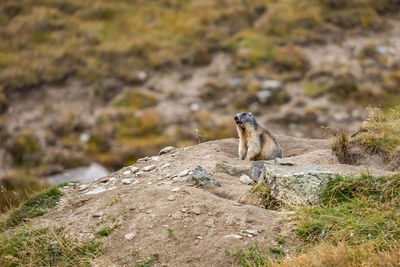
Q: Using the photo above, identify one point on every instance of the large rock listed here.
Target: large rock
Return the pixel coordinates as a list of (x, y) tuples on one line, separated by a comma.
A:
[(298, 184)]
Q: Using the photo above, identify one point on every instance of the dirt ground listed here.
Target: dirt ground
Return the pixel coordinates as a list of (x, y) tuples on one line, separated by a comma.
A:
[(184, 224)]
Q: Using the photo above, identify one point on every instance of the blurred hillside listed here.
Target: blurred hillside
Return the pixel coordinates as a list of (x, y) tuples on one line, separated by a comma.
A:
[(113, 81)]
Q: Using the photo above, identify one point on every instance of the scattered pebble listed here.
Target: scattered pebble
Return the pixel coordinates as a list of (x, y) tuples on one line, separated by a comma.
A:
[(139, 173), (97, 190), (143, 159), (127, 173), (166, 165), (134, 169), (130, 236), (104, 180), (97, 214), (149, 168), (183, 173), (167, 150), (196, 210), (206, 157), (235, 236), (167, 175), (176, 189), (83, 187), (155, 158), (245, 179), (148, 211), (149, 183), (171, 198), (252, 232), (194, 107), (134, 206), (126, 181)]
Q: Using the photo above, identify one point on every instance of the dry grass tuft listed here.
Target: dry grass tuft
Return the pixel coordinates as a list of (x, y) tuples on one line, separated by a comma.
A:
[(46, 247)]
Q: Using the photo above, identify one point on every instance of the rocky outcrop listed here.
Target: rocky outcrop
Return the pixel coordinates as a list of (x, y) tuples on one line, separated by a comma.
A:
[(296, 184), (154, 207)]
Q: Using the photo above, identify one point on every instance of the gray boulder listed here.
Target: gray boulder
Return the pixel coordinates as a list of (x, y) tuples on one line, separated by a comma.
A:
[(296, 185), (202, 177)]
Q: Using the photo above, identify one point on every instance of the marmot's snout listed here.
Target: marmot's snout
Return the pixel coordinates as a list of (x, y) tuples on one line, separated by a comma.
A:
[(237, 120)]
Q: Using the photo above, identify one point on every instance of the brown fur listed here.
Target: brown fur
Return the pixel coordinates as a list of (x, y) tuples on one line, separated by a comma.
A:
[(257, 143)]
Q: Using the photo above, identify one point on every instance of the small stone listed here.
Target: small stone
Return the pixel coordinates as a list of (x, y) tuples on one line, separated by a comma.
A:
[(97, 214), (210, 222), (202, 177), (196, 210), (194, 107), (148, 211), (84, 138), (155, 158), (97, 190), (127, 173), (143, 159), (206, 157), (83, 187), (149, 168), (167, 150), (171, 198), (245, 179), (134, 206), (252, 232), (235, 236), (166, 165), (142, 75), (139, 173), (130, 236), (104, 180), (134, 169), (176, 189), (183, 173), (167, 175), (271, 85), (149, 183), (126, 181)]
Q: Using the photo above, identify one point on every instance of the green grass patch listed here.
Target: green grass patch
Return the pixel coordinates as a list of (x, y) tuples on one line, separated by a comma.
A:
[(34, 207), (251, 257), (46, 247), (105, 232), (360, 210)]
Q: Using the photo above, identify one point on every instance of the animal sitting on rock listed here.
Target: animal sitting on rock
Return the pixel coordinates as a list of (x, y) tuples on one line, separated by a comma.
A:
[(255, 141)]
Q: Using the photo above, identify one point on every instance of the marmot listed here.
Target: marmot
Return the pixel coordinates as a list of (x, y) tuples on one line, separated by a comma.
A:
[(255, 141)]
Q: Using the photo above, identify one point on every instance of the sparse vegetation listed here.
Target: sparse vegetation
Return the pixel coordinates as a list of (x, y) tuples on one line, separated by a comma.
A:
[(263, 192), (104, 232), (355, 210), (252, 257), (46, 247), (378, 135), (33, 207), (149, 262)]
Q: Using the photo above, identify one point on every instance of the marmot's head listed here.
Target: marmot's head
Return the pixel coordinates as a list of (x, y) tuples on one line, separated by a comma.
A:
[(245, 118)]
